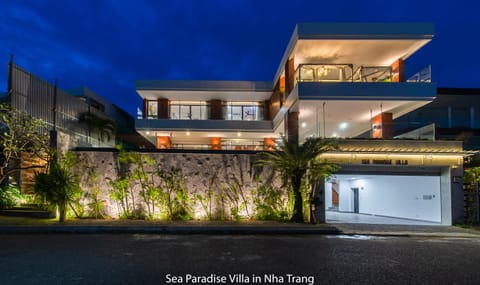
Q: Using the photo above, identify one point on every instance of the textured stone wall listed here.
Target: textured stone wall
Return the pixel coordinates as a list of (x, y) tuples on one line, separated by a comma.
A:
[(217, 172)]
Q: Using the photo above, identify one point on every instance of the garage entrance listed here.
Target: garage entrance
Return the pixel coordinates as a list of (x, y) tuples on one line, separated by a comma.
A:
[(408, 197)]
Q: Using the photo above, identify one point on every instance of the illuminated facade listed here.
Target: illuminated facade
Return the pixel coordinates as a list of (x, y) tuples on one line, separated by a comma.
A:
[(334, 80), (338, 80)]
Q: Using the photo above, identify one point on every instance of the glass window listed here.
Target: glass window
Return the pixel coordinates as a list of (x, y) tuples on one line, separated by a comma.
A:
[(250, 113), (236, 112), (152, 109), (174, 112), (243, 112), (185, 112), (196, 112)]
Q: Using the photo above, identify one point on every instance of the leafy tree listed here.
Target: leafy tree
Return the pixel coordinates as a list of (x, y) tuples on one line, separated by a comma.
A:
[(21, 134), (58, 186), (471, 175), (105, 128), (299, 164)]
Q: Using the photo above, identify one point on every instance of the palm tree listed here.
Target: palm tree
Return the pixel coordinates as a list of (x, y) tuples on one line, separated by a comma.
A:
[(105, 127), (300, 163), (59, 187)]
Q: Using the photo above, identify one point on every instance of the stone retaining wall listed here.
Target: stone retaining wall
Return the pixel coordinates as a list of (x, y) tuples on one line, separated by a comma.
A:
[(201, 172)]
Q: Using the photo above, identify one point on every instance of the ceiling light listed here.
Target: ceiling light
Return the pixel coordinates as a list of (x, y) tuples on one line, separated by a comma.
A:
[(188, 133), (239, 134), (304, 125), (343, 125), (148, 133)]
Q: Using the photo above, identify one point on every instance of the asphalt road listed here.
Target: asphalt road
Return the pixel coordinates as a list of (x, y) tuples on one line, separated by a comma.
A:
[(210, 259)]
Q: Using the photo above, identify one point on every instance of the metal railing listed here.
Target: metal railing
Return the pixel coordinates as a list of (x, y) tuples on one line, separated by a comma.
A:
[(424, 75), (342, 73)]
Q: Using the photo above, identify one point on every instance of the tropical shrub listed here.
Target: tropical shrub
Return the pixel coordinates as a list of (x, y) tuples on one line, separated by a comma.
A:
[(120, 193), (272, 203), (174, 194), (59, 187), (9, 197)]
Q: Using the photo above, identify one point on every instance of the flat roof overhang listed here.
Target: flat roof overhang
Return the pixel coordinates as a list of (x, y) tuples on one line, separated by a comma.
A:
[(200, 131), (203, 125), (203, 90), (374, 44)]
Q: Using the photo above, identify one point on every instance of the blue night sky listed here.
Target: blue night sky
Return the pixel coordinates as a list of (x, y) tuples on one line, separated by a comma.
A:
[(108, 44)]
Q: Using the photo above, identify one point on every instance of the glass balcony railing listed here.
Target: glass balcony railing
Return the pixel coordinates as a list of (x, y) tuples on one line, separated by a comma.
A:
[(342, 73)]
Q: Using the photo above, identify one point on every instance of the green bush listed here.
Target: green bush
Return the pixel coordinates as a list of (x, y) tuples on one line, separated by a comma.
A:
[(58, 187), (9, 197), (272, 203)]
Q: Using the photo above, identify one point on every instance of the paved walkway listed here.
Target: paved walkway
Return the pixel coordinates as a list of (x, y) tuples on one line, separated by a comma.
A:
[(335, 217)]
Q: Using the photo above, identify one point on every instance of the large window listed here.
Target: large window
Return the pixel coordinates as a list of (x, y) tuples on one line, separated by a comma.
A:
[(188, 110), (242, 111)]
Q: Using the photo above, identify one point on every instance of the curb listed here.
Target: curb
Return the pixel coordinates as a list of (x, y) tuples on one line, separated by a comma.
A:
[(222, 230), (244, 230)]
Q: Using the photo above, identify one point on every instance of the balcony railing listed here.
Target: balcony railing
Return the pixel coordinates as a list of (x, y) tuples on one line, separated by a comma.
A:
[(342, 73), (424, 75)]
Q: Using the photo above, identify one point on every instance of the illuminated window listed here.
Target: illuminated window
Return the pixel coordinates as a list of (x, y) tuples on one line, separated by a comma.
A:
[(152, 109), (185, 110), (240, 111)]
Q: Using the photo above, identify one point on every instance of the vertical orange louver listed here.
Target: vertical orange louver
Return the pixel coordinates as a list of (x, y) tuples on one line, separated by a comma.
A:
[(382, 126), (269, 144), (216, 143), (163, 142)]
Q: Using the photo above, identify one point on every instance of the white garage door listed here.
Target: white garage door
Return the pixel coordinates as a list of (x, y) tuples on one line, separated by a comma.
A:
[(409, 197)]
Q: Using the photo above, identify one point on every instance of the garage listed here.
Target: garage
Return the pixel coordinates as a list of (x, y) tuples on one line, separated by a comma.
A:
[(408, 197)]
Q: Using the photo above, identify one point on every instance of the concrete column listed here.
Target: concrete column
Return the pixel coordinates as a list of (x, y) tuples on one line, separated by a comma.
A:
[(398, 71), (266, 110), (292, 127), (145, 109), (163, 109), (319, 202), (216, 109), (457, 203), (289, 76)]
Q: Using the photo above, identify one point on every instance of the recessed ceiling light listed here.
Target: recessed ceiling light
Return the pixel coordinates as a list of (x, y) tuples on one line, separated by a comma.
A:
[(188, 133), (343, 125), (148, 133), (239, 134), (304, 125)]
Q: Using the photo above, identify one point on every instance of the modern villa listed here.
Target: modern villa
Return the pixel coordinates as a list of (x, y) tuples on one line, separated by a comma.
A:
[(335, 80)]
